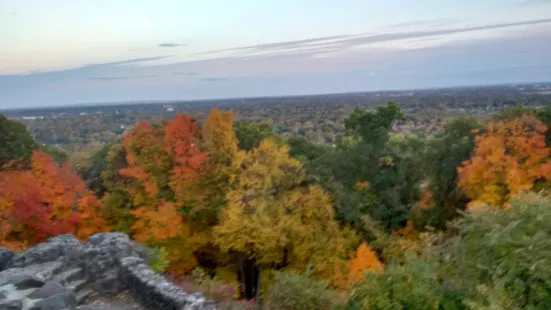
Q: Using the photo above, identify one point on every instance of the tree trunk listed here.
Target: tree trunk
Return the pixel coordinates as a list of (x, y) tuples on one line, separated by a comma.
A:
[(258, 305), (243, 286)]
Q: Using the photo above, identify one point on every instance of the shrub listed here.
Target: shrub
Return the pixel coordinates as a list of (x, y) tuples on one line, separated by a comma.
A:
[(158, 260), (299, 291), (415, 285), (507, 254), (220, 291)]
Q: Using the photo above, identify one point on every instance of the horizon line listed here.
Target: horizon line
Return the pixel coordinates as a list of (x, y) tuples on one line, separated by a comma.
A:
[(157, 101)]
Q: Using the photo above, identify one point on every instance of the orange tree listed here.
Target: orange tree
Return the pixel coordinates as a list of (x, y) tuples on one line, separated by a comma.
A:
[(510, 157), (173, 184), (46, 201)]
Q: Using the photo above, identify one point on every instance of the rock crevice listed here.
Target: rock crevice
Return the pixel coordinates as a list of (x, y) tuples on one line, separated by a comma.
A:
[(63, 273)]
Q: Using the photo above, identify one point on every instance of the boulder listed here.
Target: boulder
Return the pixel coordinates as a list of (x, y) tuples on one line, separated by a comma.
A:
[(20, 278), (9, 300), (5, 257), (49, 289), (51, 250), (39, 272), (101, 308), (11, 304), (99, 259), (56, 275), (62, 301)]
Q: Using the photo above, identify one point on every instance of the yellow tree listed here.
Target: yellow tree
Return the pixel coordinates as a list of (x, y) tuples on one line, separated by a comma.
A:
[(273, 218), (509, 157), (219, 139), (220, 144)]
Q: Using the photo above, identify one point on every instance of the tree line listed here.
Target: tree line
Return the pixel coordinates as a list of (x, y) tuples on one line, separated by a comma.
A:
[(378, 221)]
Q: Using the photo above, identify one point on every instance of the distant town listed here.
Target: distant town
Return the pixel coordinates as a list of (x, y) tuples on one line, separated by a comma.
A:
[(316, 117)]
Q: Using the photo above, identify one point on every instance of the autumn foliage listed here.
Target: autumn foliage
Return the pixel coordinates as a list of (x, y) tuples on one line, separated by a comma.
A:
[(364, 260), (248, 214), (46, 201), (274, 219), (509, 158)]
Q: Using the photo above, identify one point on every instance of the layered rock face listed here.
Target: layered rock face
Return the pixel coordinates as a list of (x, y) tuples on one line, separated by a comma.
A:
[(63, 273)]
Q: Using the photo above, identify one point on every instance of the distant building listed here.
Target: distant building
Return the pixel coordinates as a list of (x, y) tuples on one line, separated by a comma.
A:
[(32, 117)]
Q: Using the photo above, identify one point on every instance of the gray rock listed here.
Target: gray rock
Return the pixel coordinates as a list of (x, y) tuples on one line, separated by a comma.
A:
[(107, 263), (51, 288), (99, 256), (20, 279), (51, 250), (40, 272), (110, 285), (84, 294), (9, 298), (100, 308), (26, 282), (156, 292), (5, 257), (11, 304), (72, 274), (143, 252), (63, 301), (77, 286)]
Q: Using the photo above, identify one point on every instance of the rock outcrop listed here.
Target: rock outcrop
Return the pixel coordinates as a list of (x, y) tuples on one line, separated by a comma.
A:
[(64, 273)]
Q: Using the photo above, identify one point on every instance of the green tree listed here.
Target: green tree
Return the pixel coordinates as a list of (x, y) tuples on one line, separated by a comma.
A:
[(513, 113), (500, 258), (414, 285), (250, 135), (117, 202), (545, 116), (368, 176), (442, 157), (373, 126), (16, 144), (57, 154), (300, 291), (304, 150)]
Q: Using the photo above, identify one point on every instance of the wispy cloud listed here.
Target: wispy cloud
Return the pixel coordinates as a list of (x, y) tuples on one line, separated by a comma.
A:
[(424, 23), (215, 79), (186, 73), (369, 38), (170, 45), (278, 45), (115, 78), (459, 62), (534, 2), (90, 68)]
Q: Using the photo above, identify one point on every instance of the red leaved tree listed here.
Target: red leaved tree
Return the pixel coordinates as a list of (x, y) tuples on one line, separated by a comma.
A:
[(46, 201)]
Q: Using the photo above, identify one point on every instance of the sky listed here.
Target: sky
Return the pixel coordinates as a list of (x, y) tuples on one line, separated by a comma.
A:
[(66, 52)]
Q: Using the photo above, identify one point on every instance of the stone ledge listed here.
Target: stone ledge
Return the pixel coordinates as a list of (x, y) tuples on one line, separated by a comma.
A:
[(108, 263), (156, 292)]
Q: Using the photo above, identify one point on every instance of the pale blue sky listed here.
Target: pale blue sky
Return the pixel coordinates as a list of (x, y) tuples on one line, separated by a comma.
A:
[(58, 52)]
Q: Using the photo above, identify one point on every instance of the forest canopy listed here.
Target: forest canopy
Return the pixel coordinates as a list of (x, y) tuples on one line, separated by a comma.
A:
[(379, 220)]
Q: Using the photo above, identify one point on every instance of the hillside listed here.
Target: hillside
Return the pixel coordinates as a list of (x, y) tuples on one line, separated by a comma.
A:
[(381, 219)]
